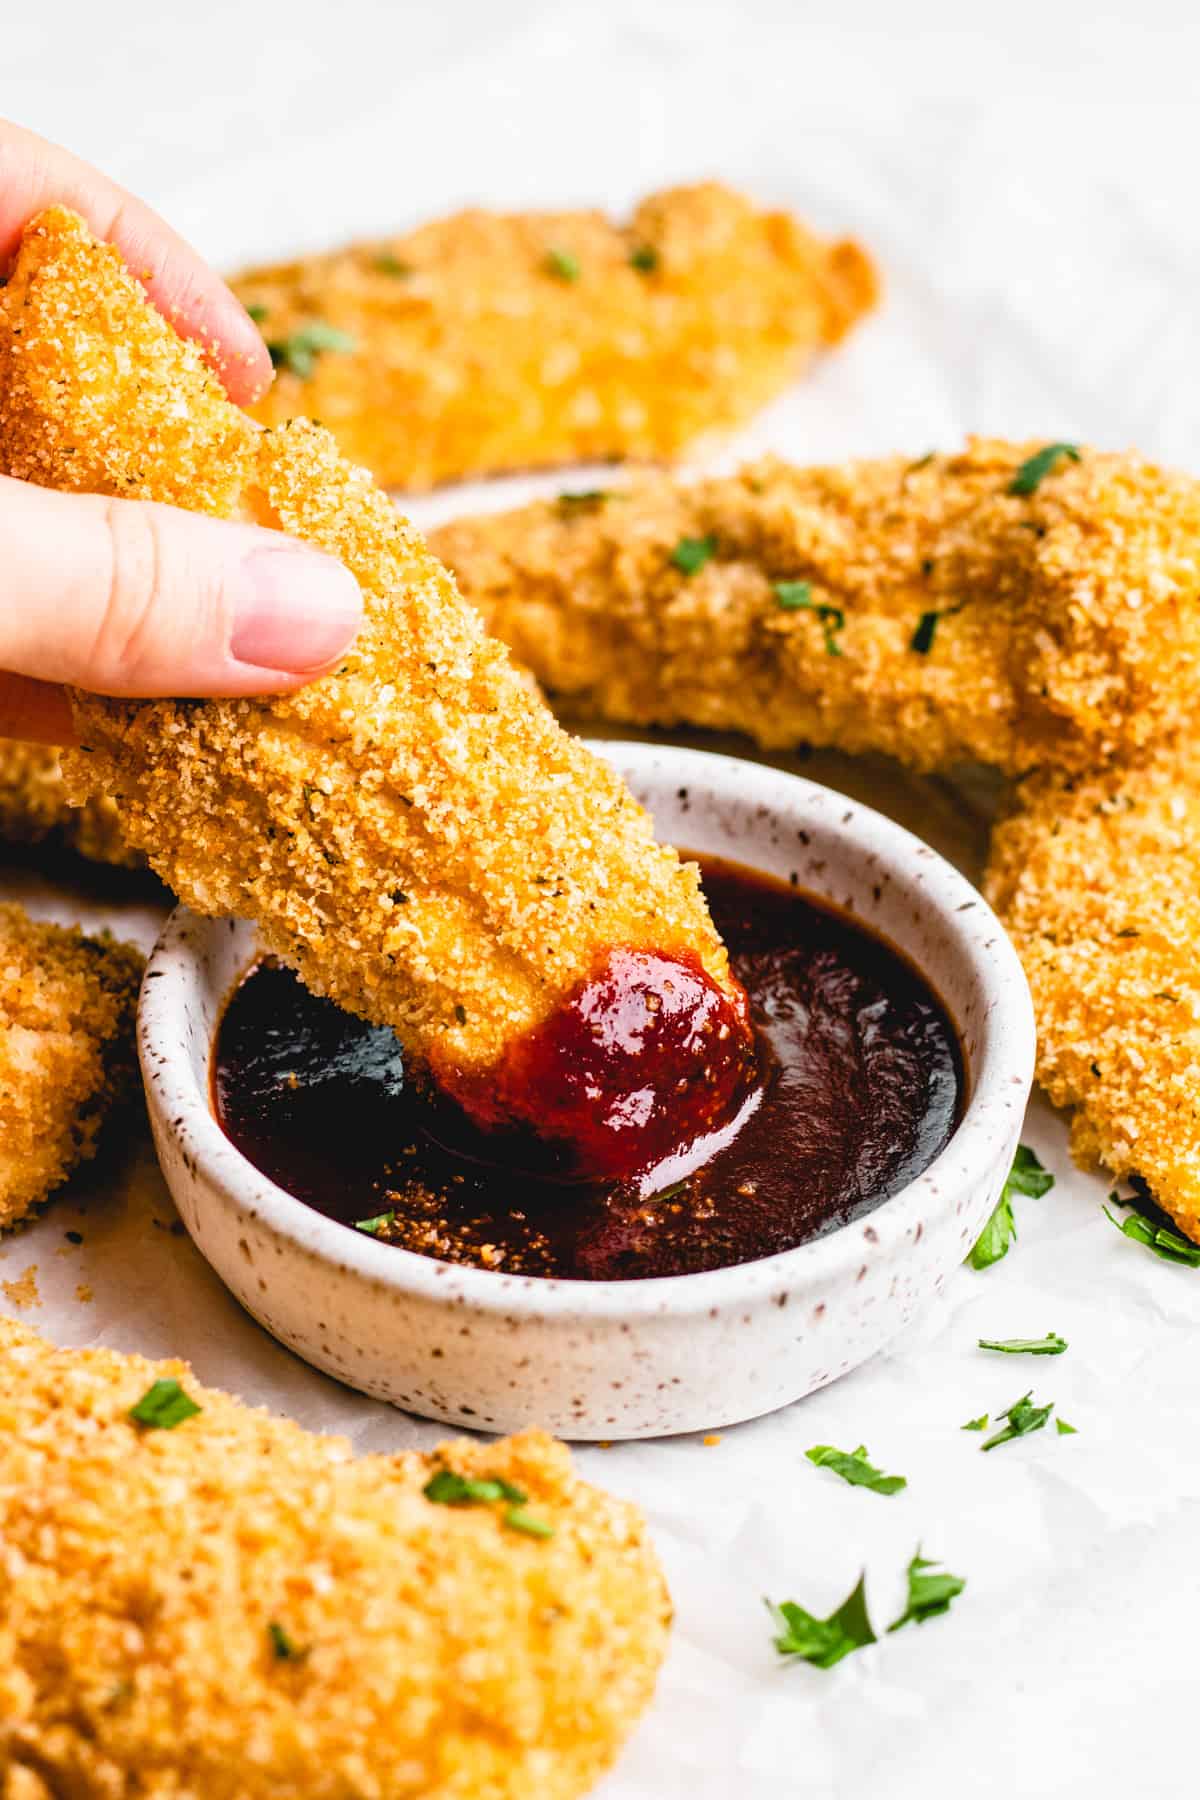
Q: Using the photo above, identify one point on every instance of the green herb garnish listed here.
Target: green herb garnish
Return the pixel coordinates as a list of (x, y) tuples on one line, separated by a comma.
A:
[(645, 259), (853, 1466), (517, 1519), (1023, 1417), (1027, 1176), (1031, 474), (922, 638), (691, 554), (583, 500), (257, 311), (928, 1594), (563, 264), (387, 264), (1065, 1430), (163, 1406), (374, 1226), (1161, 1239), (796, 596), (1050, 1345), (299, 351), (979, 1424), (823, 1642), (283, 1644)]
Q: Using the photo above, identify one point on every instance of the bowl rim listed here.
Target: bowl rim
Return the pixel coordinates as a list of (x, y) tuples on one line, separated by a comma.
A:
[(1005, 1060)]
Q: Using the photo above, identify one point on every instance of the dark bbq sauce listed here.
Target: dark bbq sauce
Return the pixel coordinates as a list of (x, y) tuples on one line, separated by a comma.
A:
[(860, 1088)]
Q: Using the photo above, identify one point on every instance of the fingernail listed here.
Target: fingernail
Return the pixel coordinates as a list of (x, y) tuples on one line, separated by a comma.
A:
[(296, 610)]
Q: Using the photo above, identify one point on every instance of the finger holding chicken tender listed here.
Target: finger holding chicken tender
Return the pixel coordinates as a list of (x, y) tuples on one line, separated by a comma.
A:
[(414, 833), (1007, 604), (488, 342), (200, 1600), (1098, 882), (66, 1052)]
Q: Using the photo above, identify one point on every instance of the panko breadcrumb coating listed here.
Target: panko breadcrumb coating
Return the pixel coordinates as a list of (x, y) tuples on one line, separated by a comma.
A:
[(34, 807), (1098, 883), (1062, 625), (486, 342), (414, 833), (235, 1609), (66, 1052)]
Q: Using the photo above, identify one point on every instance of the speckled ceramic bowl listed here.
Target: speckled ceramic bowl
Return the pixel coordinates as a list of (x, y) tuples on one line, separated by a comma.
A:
[(482, 1349)]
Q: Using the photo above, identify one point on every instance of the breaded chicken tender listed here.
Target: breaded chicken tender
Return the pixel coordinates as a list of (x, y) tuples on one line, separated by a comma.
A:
[(923, 609), (34, 807), (235, 1609), (66, 1052), (487, 342), (1098, 883), (414, 834)]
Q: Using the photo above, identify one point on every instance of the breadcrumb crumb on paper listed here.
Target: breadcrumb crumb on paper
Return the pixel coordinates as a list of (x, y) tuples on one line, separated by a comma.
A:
[(235, 1609), (34, 807), (487, 342), (1098, 883), (1063, 626), (415, 834), (66, 1052)]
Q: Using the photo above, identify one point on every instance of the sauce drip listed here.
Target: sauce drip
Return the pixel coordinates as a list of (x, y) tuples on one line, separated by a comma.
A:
[(858, 1087)]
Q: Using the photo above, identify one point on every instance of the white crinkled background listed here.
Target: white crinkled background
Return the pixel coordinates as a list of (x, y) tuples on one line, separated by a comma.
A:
[(1026, 177)]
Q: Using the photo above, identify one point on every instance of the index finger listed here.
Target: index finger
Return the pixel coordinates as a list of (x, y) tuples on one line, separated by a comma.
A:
[(35, 174)]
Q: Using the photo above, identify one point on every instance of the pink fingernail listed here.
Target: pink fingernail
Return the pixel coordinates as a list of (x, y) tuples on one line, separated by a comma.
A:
[(296, 610)]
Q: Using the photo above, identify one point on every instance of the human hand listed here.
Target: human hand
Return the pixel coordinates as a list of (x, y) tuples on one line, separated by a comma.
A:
[(121, 596)]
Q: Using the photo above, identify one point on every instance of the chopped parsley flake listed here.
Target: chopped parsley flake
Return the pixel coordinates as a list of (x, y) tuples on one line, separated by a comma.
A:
[(387, 264), (1050, 1345), (163, 1406), (1158, 1237), (922, 638), (853, 1466), (1023, 1417), (374, 1226), (1027, 1176), (257, 311), (299, 351), (517, 1519), (283, 1644), (582, 501), (563, 264), (1031, 474), (979, 1424), (645, 259), (690, 554), (930, 1592), (1063, 1429), (823, 1642), (796, 596)]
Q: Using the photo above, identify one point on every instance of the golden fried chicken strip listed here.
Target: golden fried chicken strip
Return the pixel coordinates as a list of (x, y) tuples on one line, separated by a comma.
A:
[(923, 609), (414, 833), (486, 342), (235, 1609), (1098, 883), (66, 1052), (34, 807)]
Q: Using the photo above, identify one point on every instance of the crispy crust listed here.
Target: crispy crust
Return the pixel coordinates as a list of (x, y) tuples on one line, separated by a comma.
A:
[(1098, 883), (414, 833), (440, 1655), (34, 807), (1078, 635), (66, 1052), (482, 358)]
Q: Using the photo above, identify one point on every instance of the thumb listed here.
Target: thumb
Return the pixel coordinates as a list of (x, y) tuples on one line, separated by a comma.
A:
[(129, 598)]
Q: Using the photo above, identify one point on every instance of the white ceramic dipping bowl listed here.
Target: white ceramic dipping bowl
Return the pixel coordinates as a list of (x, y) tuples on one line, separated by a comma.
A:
[(490, 1351)]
